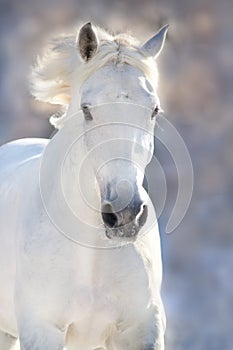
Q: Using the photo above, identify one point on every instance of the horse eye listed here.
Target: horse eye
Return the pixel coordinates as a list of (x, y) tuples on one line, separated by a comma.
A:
[(155, 112), (86, 112)]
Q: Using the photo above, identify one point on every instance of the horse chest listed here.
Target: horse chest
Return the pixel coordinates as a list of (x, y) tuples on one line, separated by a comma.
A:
[(101, 308), (104, 288)]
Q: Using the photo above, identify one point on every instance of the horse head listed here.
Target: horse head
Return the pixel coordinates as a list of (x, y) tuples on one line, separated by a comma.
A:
[(113, 80)]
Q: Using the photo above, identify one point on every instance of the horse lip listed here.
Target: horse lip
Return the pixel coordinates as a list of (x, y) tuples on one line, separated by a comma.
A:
[(122, 239), (107, 233), (120, 233)]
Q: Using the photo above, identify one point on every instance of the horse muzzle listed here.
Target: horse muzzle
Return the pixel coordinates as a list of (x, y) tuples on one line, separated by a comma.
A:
[(125, 223)]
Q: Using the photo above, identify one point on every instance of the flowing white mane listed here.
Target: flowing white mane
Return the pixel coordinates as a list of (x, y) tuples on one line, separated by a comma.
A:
[(61, 65)]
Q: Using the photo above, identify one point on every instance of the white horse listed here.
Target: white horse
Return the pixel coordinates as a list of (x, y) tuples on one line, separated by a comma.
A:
[(83, 270)]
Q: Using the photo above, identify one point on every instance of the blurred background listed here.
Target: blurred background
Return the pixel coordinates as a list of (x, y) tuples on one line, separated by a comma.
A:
[(196, 90)]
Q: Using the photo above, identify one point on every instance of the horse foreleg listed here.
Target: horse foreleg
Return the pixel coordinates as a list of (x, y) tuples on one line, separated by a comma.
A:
[(146, 335), (34, 335), (7, 342)]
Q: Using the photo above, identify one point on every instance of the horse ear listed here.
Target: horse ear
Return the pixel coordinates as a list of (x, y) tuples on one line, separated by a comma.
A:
[(87, 42), (154, 45)]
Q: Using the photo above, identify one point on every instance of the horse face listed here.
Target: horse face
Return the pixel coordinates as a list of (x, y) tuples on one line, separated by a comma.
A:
[(119, 118)]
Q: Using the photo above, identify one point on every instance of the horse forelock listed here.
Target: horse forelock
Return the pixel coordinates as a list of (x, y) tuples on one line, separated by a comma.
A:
[(119, 51)]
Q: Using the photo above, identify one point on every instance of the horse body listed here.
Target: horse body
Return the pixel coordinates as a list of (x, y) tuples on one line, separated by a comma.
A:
[(13, 158), (88, 292), (64, 283)]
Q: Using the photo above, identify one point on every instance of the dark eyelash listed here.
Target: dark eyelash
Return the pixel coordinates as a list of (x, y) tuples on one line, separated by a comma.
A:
[(155, 112), (86, 112)]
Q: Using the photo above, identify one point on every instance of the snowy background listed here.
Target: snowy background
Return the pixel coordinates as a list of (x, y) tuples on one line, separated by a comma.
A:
[(196, 90)]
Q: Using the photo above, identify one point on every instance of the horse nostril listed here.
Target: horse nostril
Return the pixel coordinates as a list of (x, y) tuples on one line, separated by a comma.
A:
[(109, 218), (143, 215)]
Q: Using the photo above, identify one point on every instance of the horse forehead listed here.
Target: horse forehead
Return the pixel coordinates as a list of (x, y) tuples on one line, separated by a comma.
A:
[(120, 79), (117, 75), (124, 70)]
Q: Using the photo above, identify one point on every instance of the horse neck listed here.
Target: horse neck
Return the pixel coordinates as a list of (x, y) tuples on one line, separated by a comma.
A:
[(79, 180), (70, 183)]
